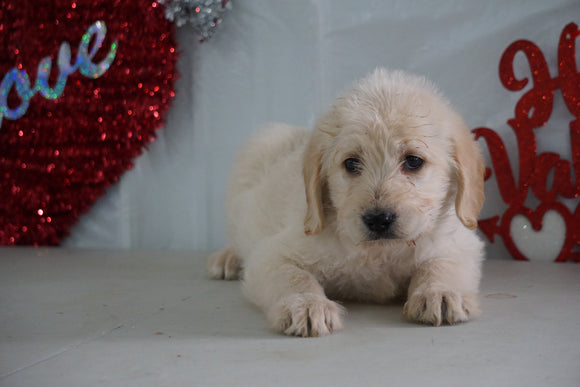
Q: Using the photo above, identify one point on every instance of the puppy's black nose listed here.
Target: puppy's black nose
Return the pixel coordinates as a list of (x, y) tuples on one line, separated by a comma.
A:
[(379, 221)]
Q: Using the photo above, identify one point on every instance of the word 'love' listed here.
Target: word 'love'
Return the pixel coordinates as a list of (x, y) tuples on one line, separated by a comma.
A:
[(20, 81)]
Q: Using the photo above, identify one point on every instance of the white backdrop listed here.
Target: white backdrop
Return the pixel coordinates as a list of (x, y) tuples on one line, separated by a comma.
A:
[(286, 61)]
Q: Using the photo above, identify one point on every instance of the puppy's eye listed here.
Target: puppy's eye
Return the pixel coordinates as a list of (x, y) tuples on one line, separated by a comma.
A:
[(413, 163), (352, 166)]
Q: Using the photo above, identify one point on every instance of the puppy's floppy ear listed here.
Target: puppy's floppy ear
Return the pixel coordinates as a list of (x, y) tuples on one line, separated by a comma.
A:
[(470, 176), (312, 171)]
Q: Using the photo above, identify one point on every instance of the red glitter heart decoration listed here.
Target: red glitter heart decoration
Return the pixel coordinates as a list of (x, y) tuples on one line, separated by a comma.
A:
[(536, 219), (85, 85)]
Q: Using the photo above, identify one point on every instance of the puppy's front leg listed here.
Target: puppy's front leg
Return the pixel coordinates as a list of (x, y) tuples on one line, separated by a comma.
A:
[(443, 291), (292, 299)]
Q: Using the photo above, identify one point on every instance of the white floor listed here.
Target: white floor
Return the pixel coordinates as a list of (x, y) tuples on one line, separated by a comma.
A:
[(86, 318)]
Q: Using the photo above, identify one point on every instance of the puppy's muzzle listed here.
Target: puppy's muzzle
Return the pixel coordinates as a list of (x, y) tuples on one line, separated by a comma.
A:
[(379, 223)]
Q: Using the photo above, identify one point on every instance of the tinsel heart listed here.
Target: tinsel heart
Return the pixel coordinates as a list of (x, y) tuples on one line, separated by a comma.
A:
[(85, 85)]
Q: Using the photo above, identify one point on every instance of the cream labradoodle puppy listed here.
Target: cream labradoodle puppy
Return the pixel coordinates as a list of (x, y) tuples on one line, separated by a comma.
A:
[(378, 202)]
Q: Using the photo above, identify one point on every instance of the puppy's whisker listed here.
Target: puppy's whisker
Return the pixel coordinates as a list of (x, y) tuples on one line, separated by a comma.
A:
[(420, 125), (423, 142), (329, 131)]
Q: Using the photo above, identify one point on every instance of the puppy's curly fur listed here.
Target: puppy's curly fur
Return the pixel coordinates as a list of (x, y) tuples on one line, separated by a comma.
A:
[(379, 201)]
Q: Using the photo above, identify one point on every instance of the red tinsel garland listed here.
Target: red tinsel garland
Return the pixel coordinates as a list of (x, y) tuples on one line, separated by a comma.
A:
[(61, 154)]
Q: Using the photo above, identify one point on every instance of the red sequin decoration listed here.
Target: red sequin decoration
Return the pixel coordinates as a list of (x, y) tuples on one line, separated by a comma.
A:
[(58, 158), (532, 111)]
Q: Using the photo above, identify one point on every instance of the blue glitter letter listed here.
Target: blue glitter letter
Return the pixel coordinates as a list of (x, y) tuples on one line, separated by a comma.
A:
[(84, 58), (21, 82)]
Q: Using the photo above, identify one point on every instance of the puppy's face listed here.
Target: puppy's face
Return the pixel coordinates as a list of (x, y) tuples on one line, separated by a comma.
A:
[(387, 180), (387, 162)]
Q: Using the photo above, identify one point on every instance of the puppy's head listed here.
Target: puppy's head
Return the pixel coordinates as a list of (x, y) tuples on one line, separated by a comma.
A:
[(389, 160)]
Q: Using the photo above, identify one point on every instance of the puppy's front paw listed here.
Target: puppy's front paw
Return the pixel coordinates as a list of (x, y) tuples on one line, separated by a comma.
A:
[(224, 264), (436, 307), (306, 315)]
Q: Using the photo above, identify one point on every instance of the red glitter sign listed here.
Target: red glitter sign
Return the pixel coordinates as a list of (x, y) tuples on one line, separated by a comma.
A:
[(532, 111)]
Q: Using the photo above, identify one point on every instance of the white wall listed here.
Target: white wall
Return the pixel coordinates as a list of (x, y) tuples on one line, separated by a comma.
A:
[(286, 61)]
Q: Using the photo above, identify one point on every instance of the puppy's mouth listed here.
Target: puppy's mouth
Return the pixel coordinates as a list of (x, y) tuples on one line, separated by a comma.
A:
[(378, 244), (386, 243), (373, 237)]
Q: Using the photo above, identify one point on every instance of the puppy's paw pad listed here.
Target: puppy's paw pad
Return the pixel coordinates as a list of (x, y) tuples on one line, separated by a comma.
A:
[(224, 264), (307, 315), (440, 307)]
